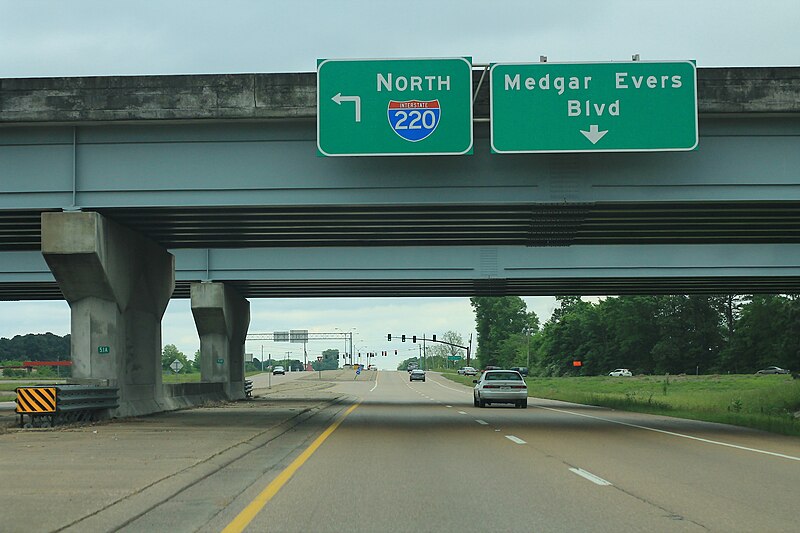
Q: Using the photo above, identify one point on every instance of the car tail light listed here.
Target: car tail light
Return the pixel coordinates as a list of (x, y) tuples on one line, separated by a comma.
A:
[(490, 387), (519, 387)]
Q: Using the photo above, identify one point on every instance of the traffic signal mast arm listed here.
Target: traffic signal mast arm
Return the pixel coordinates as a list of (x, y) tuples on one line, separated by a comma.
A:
[(434, 339)]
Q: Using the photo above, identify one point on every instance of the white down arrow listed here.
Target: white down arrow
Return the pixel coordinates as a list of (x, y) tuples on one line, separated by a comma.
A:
[(594, 134)]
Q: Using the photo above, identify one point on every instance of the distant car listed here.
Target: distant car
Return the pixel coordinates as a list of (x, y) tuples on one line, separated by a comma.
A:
[(469, 371), (411, 367), (490, 367), (417, 375), (621, 373), (773, 370), (500, 386), (372, 367), (523, 370), (278, 370)]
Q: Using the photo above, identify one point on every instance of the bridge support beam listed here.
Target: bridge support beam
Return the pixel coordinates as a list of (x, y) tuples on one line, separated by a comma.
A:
[(222, 317), (118, 284)]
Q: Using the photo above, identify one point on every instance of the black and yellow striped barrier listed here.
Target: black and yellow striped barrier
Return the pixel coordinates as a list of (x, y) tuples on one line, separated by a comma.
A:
[(47, 406), (36, 400)]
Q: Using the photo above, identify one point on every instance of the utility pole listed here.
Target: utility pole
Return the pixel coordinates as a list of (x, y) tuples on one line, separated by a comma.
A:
[(528, 339), (424, 351)]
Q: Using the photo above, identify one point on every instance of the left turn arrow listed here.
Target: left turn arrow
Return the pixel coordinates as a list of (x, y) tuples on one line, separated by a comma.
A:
[(338, 98)]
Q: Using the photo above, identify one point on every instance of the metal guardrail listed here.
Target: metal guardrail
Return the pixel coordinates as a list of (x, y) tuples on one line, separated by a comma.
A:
[(248, 388), (48, 406)]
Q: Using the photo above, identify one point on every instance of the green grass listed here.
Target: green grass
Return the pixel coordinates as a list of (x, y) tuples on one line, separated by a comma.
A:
[(762, 402), (180, 378), (192, 378)]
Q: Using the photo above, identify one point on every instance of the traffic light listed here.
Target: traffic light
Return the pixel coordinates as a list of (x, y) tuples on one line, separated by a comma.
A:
[(395, 352), (414, 338), (434, 338), (403, 338), (389, 337)]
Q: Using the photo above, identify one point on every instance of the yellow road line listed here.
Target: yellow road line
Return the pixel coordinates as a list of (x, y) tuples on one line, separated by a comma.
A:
[(247, 515)]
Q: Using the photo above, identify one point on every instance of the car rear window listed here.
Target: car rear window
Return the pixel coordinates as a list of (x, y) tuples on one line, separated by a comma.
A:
[(492, 376)]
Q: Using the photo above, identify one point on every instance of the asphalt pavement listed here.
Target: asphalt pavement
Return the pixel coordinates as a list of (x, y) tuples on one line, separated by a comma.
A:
[(397, 456)]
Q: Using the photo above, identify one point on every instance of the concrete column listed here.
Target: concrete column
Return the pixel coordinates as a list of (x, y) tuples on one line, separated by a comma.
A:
[(222, 317), (118, 285)]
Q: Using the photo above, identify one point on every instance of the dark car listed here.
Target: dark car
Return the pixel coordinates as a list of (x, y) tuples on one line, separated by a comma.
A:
[(523, 370), (417, 375), (773, 370)]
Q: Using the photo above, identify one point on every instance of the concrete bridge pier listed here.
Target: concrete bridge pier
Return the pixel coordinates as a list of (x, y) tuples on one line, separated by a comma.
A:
[(118, 284), (222, 317)]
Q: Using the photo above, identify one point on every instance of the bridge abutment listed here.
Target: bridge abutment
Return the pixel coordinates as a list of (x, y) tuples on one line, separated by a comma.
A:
[(118, 284), (222, 317)]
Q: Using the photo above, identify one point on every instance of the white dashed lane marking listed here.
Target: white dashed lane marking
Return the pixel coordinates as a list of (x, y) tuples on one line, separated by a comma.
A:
[(591, 477)]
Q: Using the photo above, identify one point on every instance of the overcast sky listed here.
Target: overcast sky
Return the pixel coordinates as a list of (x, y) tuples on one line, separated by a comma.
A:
[(84, 38)]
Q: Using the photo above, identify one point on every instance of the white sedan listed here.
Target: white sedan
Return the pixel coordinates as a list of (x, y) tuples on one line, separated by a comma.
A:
[(621, 372), (500, 386)]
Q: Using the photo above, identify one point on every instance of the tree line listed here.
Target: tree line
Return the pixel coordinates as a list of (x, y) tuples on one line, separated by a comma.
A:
[(647, 334), (35, 347)]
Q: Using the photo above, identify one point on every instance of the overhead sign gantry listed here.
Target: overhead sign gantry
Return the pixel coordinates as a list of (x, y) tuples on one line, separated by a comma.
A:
[(593, 107), (378, 107), (381, 107)]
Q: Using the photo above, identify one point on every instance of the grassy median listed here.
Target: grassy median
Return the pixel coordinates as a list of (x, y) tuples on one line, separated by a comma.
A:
[(7, 393), (763, 402)]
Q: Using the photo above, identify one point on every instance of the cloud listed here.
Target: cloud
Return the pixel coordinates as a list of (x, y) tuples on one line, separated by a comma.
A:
[(21, 318), (54, 38)]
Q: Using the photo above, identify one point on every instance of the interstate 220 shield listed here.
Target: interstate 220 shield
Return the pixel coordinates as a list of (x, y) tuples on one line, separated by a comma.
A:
[(414, 120)]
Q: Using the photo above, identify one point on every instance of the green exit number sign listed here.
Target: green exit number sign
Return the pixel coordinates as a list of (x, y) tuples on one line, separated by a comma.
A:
[(383, 107), (593, 107), (104, 349)]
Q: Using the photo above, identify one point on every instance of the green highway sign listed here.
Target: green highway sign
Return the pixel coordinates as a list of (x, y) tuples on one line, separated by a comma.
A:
[(453, 357), (632, 106), (104, 349), (394, 107)]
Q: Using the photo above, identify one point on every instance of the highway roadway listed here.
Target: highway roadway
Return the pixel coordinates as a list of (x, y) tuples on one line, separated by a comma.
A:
[(419, 457), (384, 454)]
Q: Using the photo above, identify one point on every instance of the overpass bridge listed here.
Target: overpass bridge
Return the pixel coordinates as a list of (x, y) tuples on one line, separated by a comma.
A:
[(118, 193)]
